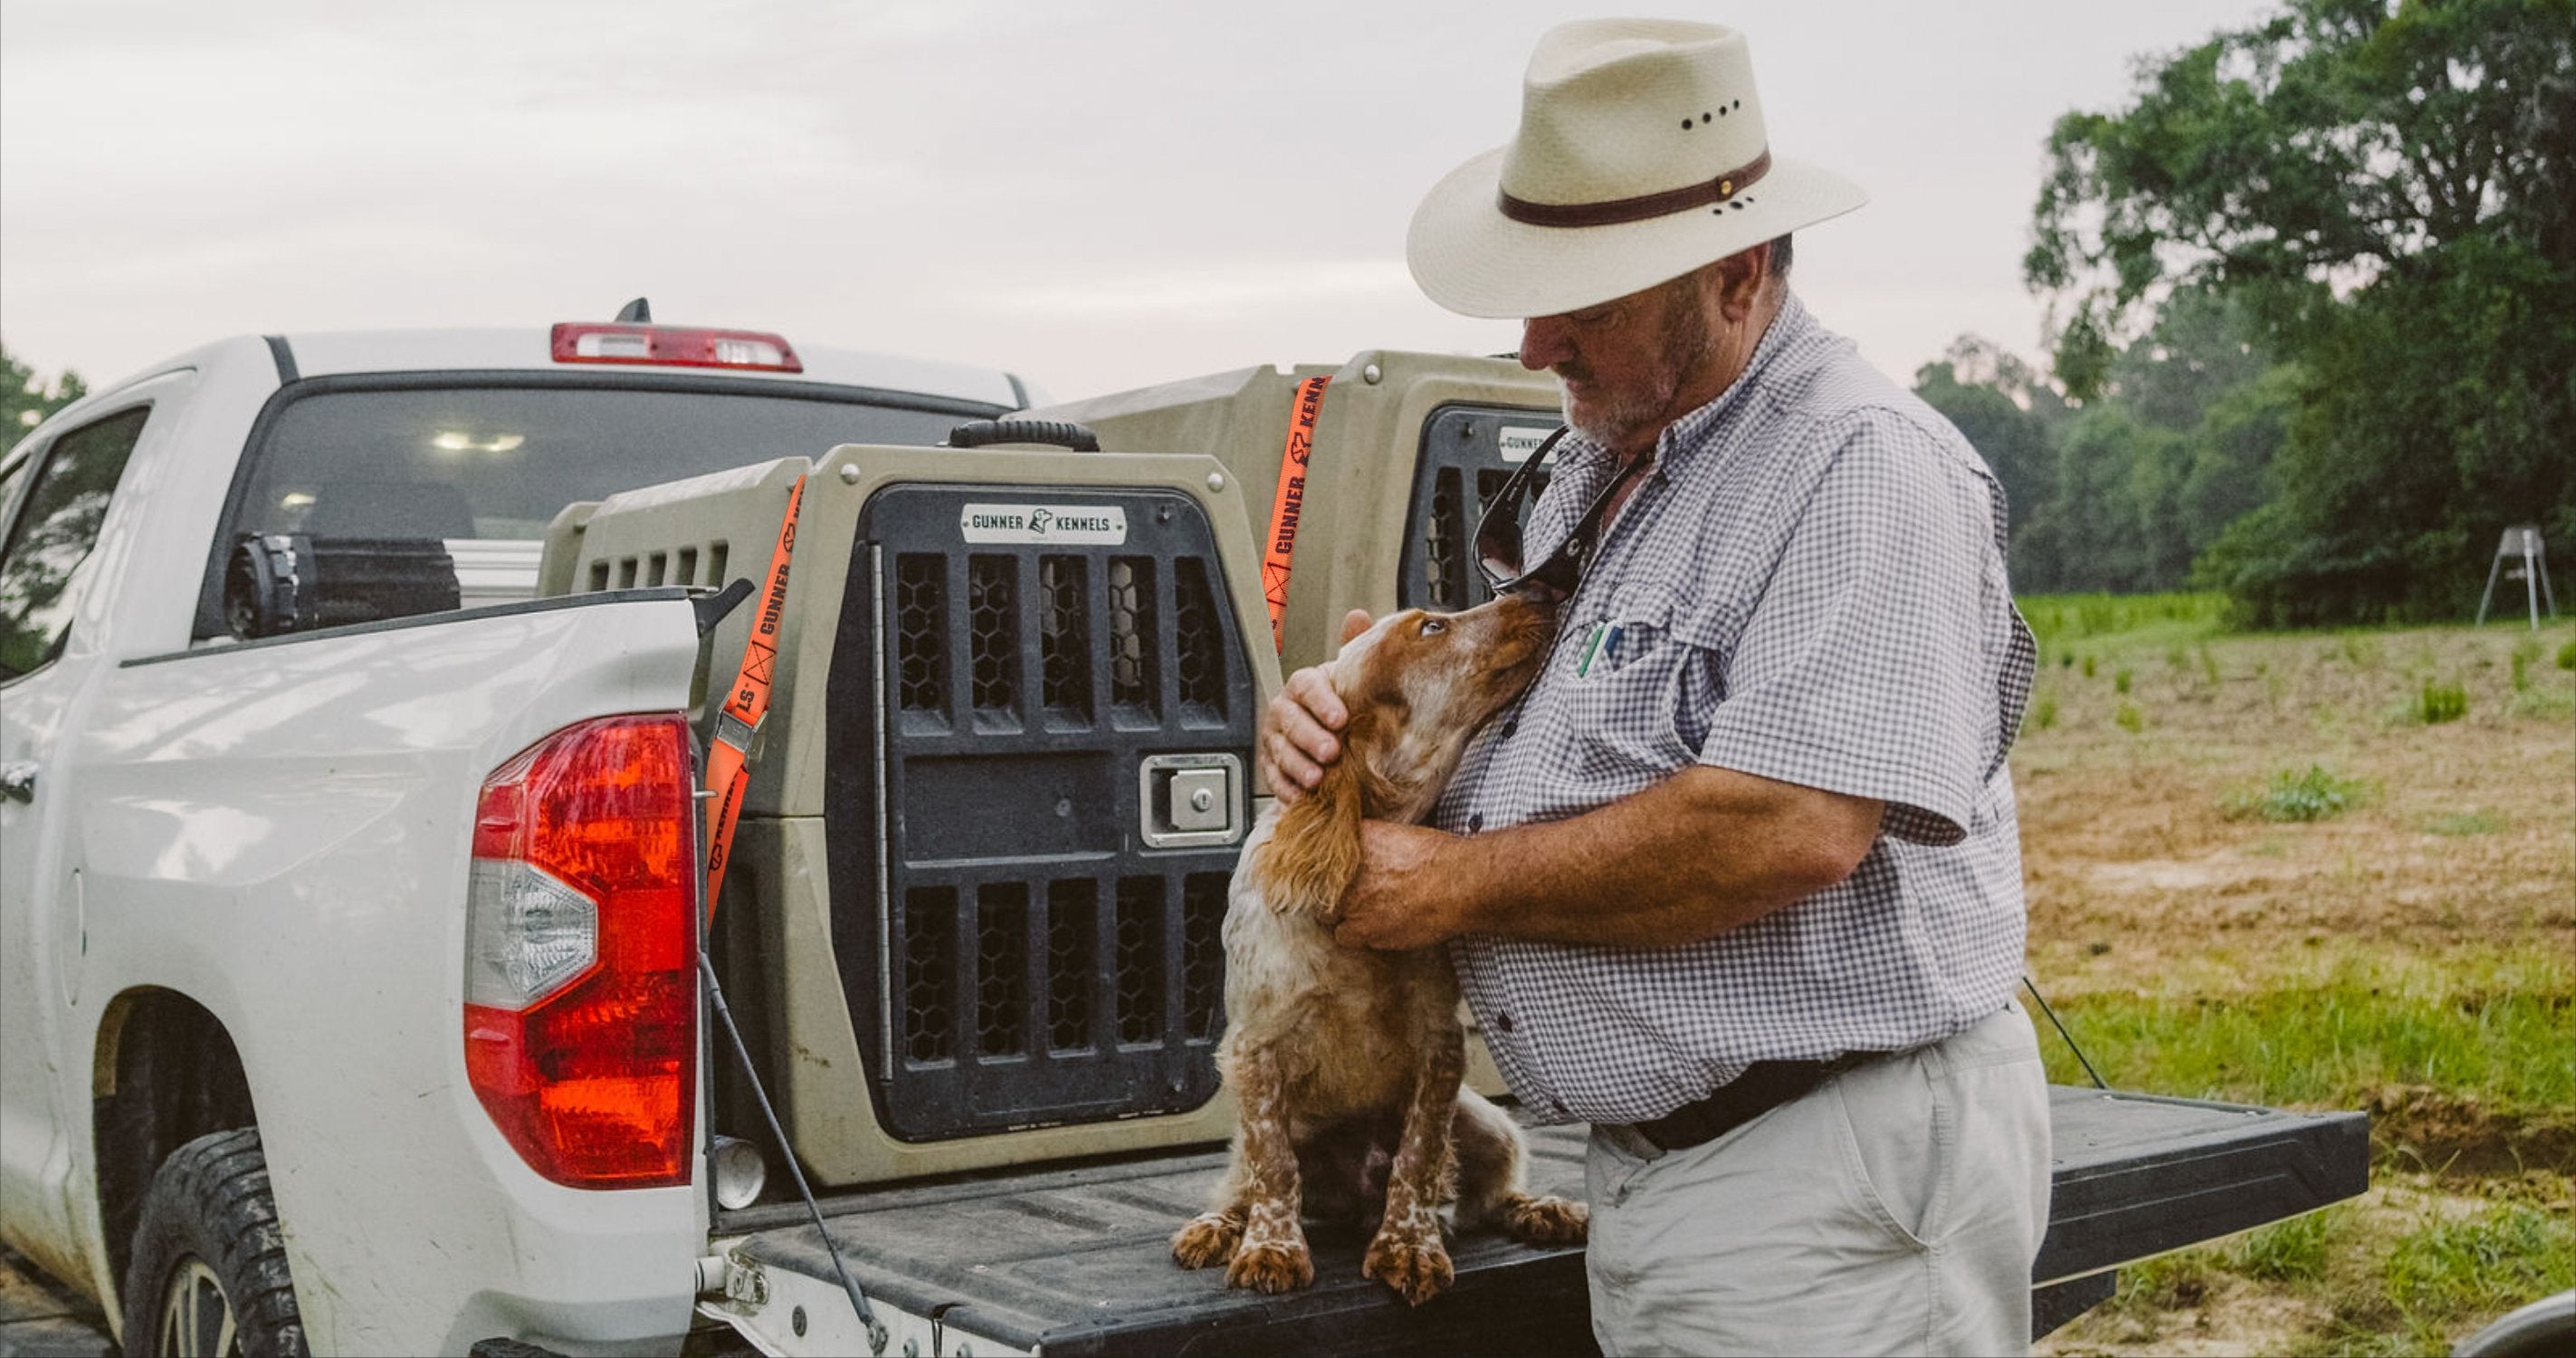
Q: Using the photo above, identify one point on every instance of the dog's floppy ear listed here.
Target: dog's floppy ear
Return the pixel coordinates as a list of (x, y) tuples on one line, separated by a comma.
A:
[(1313, 853)]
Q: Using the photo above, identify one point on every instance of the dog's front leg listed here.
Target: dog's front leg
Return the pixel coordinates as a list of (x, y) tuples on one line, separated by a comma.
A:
[(1407, 1253), (1210, 1237), (1272, 1256)]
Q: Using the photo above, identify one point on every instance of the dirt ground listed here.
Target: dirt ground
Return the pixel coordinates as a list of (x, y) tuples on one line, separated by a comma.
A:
[(2463, 842), (2125, 843)]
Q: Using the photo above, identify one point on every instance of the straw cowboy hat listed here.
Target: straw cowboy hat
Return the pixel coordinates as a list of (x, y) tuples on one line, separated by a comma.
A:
[(1641, 156)]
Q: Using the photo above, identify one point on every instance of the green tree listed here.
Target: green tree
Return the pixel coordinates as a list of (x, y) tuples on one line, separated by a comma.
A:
[(2319, 150), (24, 399), (2234, 449), (2388, 195), (2112, 525), (2439, 410), (2010, 413), (2200, 348), (2123, 492)]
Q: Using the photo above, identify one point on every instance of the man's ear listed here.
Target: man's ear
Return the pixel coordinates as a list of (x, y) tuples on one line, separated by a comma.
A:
[(1313, 853), (1737, 280)]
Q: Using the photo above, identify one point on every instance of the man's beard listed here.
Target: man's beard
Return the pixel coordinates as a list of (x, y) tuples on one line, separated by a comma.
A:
[(1615, 419)]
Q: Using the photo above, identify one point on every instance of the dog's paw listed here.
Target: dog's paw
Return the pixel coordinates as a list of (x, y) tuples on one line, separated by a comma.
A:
[(1209, 1238), (1416, 1266), (1271, 1266), (1545, 1221)]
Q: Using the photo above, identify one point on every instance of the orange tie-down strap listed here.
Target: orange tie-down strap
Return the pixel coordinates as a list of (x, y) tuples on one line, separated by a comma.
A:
[(729, 753), (1290, 502)]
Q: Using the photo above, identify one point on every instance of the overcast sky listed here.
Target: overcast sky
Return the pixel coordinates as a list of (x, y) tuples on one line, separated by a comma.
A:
[(1095, 195)]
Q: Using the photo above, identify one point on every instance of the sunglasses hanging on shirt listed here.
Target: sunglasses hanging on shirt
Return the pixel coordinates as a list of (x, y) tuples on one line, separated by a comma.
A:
[(1498, 532)]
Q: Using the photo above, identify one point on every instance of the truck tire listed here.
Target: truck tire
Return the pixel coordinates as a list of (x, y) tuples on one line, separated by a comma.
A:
[(209, 1273)]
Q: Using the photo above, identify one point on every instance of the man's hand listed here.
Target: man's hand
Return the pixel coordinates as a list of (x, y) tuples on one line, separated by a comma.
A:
[(1297, 739), (1398, 901)]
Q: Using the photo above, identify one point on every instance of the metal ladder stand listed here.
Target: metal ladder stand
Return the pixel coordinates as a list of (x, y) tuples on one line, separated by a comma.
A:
[(2521, 541)]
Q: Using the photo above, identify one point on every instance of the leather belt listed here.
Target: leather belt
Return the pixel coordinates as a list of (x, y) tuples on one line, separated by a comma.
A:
[(1763, 1086)]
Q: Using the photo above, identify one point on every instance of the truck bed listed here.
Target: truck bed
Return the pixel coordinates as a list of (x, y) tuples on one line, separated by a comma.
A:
[(1077, 1261)]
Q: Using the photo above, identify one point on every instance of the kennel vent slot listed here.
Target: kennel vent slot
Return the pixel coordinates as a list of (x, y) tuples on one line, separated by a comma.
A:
[(1203, 900), (1135, 652), (1064, 638), (1001, 968), (993, 637), (1073, 953), (1198, 644), (921, 632), (930, 974), (1138, 970)]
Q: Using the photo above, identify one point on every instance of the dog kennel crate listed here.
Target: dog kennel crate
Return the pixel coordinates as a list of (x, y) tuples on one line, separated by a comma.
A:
[(1055, 739), (974, 907), (1407, 449)]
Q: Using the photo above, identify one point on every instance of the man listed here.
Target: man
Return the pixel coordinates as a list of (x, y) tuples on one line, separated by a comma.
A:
[(1738, 879)]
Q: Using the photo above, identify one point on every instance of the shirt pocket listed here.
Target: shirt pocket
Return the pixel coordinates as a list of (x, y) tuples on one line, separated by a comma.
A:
[(1622, 674)]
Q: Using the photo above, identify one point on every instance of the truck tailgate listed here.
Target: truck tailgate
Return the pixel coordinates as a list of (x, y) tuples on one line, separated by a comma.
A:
[(1077, 1261)]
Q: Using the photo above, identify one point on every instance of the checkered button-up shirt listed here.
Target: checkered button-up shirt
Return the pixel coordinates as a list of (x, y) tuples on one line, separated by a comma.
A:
[(1807, 586)]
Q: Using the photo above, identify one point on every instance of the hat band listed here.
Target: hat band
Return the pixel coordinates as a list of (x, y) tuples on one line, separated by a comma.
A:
[(1638, 209)]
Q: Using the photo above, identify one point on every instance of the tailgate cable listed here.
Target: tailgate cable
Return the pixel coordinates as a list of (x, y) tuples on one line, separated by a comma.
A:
[(878, 1336), (745, 711), (2054, 1022)]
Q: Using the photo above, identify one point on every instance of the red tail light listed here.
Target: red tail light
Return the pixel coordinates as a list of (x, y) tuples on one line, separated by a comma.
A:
[(671, 345), (581, 994)]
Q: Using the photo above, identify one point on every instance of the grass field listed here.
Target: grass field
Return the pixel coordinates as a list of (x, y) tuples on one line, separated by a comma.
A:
[(2322, 870)]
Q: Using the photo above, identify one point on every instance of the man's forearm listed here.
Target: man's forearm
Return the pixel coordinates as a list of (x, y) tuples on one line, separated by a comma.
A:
[(1700, 853)]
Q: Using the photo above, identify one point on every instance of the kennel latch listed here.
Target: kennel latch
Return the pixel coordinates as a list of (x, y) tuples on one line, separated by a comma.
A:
[(1190, 800)]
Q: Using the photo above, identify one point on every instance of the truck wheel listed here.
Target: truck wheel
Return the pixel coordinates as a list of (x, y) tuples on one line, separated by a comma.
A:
[(209, 1274)]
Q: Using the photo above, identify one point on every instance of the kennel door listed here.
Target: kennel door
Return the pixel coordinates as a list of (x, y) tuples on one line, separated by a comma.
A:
[(1467, 453), (1040, 745)]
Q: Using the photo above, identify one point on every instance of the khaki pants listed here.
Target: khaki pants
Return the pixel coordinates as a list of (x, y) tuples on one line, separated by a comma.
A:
[(1895, 1209)]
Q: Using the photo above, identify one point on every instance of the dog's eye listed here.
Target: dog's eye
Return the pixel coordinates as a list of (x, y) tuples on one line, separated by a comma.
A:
[(1432, 627)]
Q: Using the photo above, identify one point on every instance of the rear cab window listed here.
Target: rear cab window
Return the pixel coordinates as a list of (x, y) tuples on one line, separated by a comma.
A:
[(68, 485), (483, 465)]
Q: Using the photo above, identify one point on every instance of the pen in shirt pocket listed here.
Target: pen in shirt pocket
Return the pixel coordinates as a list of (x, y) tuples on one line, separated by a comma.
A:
[(1604, 635)]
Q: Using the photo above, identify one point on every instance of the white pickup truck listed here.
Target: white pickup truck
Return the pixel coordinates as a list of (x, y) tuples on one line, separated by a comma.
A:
[(352, 690), (234, 881)]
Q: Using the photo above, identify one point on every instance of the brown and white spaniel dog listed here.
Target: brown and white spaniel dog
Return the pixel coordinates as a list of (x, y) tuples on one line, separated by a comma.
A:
[(1345, 1063)]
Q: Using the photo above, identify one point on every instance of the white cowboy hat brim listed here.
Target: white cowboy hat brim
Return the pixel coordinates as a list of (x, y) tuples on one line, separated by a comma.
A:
[(1469, 257)]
